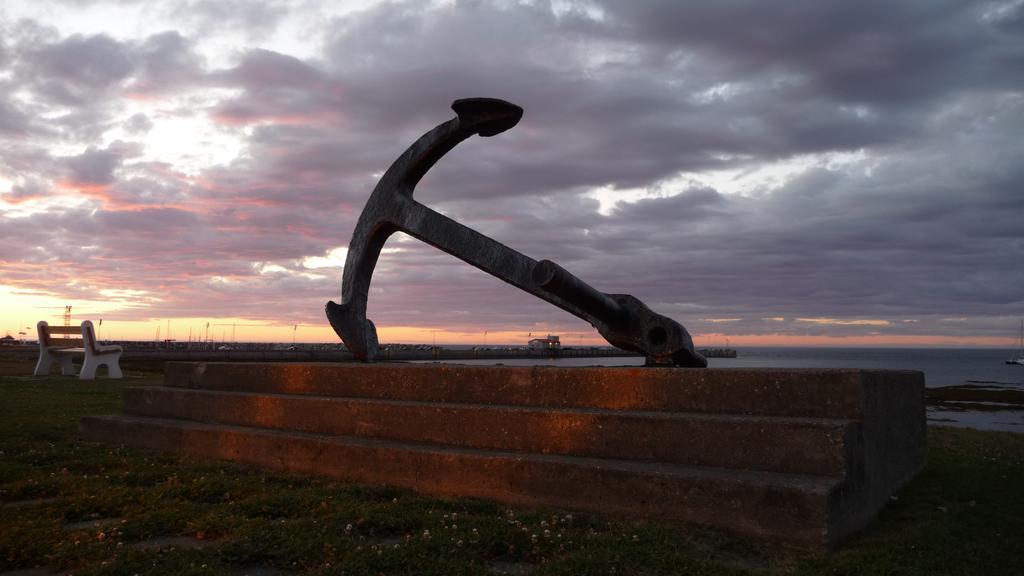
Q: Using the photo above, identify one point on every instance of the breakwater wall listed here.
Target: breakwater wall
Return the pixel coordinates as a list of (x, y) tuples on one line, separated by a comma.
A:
[(147, 352)]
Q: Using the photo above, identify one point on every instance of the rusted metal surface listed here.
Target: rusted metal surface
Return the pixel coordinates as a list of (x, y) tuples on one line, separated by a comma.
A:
[(622, 319)]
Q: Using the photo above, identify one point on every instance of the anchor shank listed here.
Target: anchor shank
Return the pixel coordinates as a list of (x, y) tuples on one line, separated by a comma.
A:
[(484, 253), (554, 279)]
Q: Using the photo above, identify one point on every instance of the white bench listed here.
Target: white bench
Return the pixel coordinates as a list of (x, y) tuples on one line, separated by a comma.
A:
[(62, 350)]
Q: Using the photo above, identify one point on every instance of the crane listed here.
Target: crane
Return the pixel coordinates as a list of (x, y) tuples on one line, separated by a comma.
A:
[(295, 328), (66, 309), (233, 324)]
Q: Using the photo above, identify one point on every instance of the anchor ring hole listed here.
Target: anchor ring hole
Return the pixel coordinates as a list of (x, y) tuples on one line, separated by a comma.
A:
[(657, 336)]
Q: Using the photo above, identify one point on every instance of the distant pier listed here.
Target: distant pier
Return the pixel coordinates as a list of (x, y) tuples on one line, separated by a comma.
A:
[(718, 352)]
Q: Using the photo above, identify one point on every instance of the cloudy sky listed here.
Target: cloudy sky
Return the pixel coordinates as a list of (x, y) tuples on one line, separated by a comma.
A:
[(776, 173)]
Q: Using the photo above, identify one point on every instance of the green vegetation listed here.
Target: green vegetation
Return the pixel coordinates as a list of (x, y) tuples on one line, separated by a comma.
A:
[(68, 505), (975, 397)]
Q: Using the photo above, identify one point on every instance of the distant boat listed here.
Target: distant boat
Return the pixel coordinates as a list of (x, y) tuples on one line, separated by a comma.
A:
[(1019, 360)]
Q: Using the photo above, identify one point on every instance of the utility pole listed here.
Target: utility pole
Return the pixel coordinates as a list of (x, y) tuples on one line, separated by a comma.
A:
[(67, 315), (294, 328)]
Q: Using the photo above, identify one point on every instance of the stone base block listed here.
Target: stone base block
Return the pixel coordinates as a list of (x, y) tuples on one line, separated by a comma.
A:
[(805, 456)]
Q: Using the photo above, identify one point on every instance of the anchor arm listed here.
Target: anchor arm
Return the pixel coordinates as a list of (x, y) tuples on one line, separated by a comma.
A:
[(483, 116)]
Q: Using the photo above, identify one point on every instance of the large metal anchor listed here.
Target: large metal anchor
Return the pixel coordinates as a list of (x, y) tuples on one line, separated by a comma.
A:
[(622, 319)]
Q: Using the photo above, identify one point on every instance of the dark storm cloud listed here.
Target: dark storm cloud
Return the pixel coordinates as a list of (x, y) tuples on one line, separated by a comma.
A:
[(277, 88), (264, 69), (899, 122), (95, 167), (878, 52), (625, 122), (138, 123), (926, 233), (71, 90), (78, 70), (26, 189), (165, 62), (12, 121), (30, 168), (92, 63)]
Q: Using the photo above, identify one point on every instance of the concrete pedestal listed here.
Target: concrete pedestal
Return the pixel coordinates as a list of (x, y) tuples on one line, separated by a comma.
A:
[(805, 456)]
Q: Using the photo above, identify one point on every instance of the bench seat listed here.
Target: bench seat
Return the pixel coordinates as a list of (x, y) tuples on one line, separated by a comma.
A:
[(56, 350)]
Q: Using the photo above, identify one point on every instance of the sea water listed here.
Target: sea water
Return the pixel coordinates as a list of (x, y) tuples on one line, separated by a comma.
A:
[(941, 366)]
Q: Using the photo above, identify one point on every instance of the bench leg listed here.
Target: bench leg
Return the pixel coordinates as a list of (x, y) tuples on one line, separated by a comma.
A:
[(92, 363), (114, 366), (67, 367), (89, 366), (43, 366)]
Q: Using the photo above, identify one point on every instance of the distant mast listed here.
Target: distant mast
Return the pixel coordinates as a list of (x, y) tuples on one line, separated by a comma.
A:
[(1018, 359)]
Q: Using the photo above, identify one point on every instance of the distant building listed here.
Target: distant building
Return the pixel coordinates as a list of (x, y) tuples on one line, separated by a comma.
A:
[(8, 341), (549, 343)]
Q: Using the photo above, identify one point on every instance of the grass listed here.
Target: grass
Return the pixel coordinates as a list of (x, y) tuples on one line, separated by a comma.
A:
[(73, 506)]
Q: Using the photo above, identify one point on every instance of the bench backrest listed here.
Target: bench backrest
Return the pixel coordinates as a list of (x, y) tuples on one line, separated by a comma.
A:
[(58, 336), (89, 337)]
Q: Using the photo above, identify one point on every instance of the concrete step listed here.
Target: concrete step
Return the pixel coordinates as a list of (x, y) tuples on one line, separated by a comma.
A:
[(798, 508), (807, 456), (777, 444), (812, 393)]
